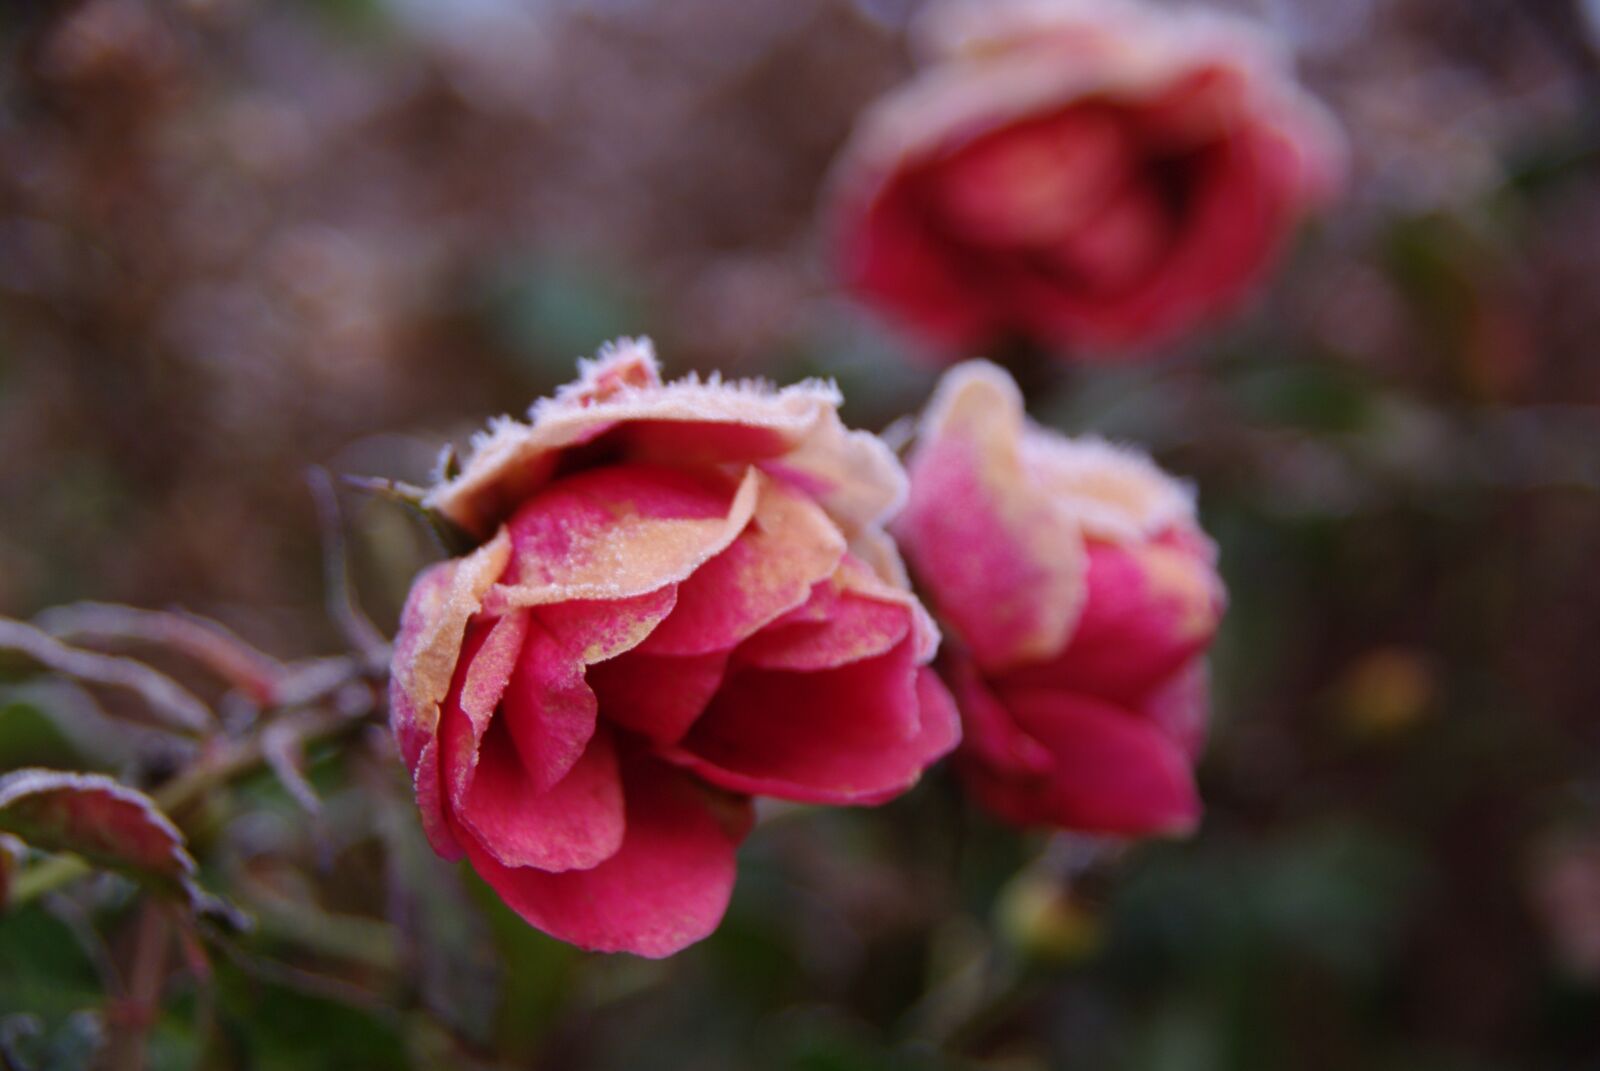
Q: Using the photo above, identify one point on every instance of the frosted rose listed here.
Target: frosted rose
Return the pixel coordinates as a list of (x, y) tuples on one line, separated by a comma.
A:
[(1079, 596), (1092, 174), (684, 599)]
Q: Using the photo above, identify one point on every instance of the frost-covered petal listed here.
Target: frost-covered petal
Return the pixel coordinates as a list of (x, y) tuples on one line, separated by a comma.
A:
[(1114, 493), (853, 475), (489, 656), (1152, 607), (1003, 563), (572, 825), (620, 531), (835, 627), (666, 887), (789, 545), (442, 599), (848, 735), (620, 396), (549, 706)]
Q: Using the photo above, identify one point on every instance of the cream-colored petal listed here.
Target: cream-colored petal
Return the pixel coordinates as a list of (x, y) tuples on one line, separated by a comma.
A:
[(852, 474), (1115, 493), (633, 555), (1004, 562), (423, 669), (511, 460)]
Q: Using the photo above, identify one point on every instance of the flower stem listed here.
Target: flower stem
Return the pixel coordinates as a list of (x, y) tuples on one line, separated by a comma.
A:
[(45, 876)]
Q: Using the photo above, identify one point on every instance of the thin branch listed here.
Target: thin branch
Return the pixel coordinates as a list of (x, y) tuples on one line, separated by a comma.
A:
[(245, 667), (174, 704), (362, 635), (284, 753)]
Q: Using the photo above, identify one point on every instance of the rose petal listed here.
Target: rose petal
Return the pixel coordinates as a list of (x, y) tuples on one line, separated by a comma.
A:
[(620, 531), (1152, 607), (990, 735), (1116, 494), (789, 545), (851, 474), (431, 802), (657, 696), (549, 707), (890, 255), (1115, 772), (1242, 192), (665, 888), (1003, 564), (1038, 181), (575, 824), (851, 628), (700, 442), (620, 404), (848, 735), (442, 600), (489, 655)]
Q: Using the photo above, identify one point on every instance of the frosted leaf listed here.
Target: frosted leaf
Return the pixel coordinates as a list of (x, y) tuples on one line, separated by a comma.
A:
[(106, 823)]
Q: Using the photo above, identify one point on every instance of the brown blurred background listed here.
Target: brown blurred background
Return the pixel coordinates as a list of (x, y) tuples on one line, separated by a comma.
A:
[(239, 238)]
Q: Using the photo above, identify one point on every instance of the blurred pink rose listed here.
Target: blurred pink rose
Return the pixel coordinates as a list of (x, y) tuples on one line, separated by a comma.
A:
[(1079, 596), (685, 599), (1094, 174)]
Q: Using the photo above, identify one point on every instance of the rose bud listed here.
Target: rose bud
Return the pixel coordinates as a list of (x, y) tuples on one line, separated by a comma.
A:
[(1078, 596), (1083, 174), (683, 598)]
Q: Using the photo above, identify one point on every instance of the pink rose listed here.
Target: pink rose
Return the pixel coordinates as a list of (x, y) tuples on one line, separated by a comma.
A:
[(1083, 173), (1079, 596), (684, 599)]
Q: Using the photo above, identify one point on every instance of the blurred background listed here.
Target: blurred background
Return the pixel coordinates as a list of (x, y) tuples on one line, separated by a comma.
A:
[(239, 238)]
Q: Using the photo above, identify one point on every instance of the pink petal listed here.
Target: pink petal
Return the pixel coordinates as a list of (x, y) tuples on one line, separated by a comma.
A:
[(789, 545), (851, 628), (853, 734), (1003, 566), (1115, 772), (891, 255), (575, 824), (431, 803), (1241, 209), (1036, 181), (549, 711), (597, 629), (489, 654), (991, 736), (413, 730), (666, 888), (427, 648), (1151, 608), (657, 696), (621, 531), (549, 706)]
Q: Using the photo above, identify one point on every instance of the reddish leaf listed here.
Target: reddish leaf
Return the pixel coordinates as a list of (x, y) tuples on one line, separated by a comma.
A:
[(109, 825)]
